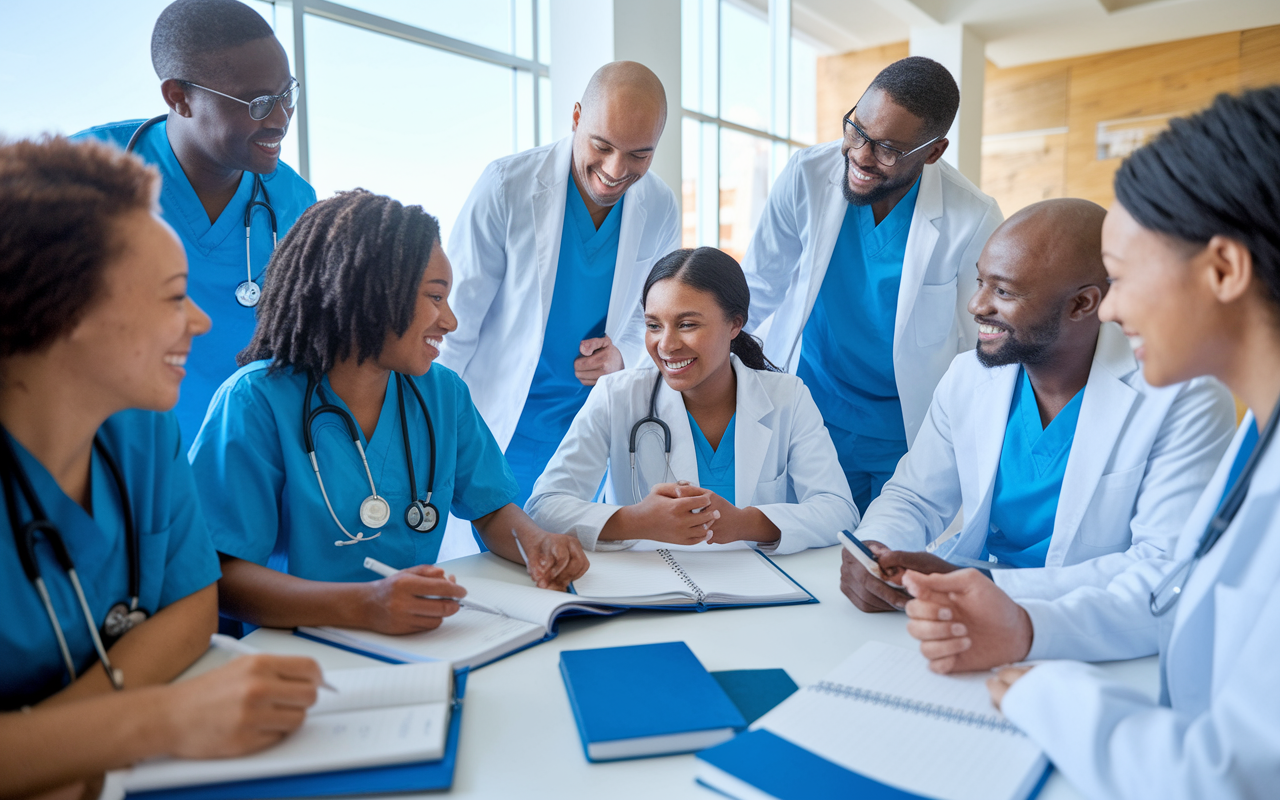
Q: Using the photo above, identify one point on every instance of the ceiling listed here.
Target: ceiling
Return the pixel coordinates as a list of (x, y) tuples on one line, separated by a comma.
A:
[(1028, 31)]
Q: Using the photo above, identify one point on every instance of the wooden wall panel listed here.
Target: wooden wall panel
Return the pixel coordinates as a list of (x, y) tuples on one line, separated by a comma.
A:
[(1018, 171), (842, 79), (1260, 57), (1027, 98)]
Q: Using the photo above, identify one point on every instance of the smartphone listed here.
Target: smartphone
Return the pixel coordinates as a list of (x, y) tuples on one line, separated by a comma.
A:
[(864, 555)]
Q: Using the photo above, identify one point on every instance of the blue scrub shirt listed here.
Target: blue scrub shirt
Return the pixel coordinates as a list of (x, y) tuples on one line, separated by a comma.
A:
[(176, 556), (846, 358), (215, 256), (1033, 461), (579, 306), (250, 455), (716, 468)]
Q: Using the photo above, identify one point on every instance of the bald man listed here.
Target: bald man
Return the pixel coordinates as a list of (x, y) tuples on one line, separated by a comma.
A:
[(1065, 465), (550, 253)]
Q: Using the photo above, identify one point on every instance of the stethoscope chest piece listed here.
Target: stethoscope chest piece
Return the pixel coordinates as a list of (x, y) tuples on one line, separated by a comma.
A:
[(421, 516), (375, 511), (248, 293), (120, 620)]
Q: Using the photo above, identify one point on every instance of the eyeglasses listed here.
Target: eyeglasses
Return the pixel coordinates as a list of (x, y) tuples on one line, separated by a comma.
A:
[(261, 107), (882, 152)]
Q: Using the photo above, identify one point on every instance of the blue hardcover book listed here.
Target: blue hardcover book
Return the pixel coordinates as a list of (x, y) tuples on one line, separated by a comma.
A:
[(755, 691), (646, 700), (688, 580), (411, 777), (846, 736)]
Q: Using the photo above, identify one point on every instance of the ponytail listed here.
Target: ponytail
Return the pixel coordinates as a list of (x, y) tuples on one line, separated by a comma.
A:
[(717, 273)]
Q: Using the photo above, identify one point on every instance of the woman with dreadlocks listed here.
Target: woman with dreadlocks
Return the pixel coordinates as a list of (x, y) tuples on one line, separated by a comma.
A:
[(338, 440)]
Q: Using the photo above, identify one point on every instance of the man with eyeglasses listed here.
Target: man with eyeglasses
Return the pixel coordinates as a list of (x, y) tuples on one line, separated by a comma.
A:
[(863, 262), (230, 93)]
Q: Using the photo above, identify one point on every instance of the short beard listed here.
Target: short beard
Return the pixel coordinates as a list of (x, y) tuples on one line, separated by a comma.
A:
[(877, 194), (1033, 349)]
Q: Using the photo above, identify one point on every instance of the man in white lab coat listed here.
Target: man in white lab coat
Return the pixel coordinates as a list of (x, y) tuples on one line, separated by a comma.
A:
[(1068, 465), (550, 253), (865, 252)]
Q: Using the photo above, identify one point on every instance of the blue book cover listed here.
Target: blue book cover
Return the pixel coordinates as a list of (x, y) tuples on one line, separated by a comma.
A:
[(646, 700), (755, 691)]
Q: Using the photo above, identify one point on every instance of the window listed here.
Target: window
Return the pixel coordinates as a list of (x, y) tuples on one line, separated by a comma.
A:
[(749, 93)]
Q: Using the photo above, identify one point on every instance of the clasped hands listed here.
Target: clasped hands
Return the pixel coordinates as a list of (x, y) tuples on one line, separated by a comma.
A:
[(964, 622)]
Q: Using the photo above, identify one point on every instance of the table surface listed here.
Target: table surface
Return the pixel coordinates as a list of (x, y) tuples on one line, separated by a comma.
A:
[(519, 738)]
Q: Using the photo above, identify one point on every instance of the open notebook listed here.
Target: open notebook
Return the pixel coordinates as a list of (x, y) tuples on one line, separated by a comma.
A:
[(471, 638), (378, 716), (687, 579), (880, 725)]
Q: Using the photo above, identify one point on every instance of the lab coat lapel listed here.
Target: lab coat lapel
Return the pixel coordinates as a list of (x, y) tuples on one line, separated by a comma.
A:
[(627, 280), (813, 267), (1103, 411), (684, 459), (751, 436), (991, 400), (548, 220), (921, 239)]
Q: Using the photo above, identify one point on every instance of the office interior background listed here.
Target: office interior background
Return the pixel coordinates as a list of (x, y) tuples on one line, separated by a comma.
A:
[(412, 98)]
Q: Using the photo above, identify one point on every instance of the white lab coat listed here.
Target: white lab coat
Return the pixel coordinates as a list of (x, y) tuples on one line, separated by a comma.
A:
[(1140, 458), (784, 461), (1216, 732), (790, 251), (505, 249)]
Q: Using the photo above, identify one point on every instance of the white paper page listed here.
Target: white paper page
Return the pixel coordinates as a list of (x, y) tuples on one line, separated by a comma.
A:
[(380, 687), (912, 750), (465, 639), (325, 743), (737, 574), (624, 574), (528, 603)]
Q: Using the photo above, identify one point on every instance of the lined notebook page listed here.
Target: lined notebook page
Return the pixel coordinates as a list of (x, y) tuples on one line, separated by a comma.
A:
[(528, 603), (736, 573), (904, 745), (622, 573), (461, 639), (379, 687)]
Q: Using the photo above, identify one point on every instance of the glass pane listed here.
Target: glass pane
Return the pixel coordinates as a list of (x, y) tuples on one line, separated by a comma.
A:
[(744, 186), (524, 130), (804, 91), (744, 65), (544, 111), (544, 31), (699, 56), (522, 38), (487, 23), (409, 150), (690, 166)]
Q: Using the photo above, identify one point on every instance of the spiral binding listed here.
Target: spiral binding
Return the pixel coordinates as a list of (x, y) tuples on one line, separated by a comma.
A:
[(894, 701), (698, 594)]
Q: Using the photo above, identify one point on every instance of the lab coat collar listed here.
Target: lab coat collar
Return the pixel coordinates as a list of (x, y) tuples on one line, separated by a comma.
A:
[(993, 398), (548, 218), (922, 238)]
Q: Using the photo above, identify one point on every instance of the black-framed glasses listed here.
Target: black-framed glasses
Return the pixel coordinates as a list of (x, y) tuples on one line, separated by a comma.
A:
[(261, 107), (882, 152)]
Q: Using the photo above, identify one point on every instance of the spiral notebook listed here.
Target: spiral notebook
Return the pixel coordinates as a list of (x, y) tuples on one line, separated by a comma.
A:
[(685, 579), (881, 725)]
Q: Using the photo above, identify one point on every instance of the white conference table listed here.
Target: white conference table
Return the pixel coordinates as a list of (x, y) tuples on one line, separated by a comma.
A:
[(518, 735)]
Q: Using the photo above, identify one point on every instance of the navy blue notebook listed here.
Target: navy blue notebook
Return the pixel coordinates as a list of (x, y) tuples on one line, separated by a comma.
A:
[(646, 700), (420, 777), (755, 691)]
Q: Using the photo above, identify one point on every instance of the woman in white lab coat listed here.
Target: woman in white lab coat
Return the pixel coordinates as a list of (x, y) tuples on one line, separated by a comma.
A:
[(714, 447), (1192, 246)]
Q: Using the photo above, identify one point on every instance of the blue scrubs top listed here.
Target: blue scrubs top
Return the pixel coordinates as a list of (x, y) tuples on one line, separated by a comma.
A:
[(1033, 461), (215, 256), (715, 464), (579, 306), (1247, 446), (250, 455), (176, 556), (846, 359)]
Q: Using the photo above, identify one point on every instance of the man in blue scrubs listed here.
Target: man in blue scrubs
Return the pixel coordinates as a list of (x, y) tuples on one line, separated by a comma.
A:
[(1066, 466), (550, 253), (861, 263), (230, 93)]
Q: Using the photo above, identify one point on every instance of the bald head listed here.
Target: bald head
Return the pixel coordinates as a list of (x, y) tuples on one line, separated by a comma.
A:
[(1040, 282), (627, 87)]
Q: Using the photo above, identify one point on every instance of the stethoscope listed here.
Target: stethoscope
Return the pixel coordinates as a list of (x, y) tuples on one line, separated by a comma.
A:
[(123, 615), (375, 511), (248, 291), (651, 418), (1170, 589)]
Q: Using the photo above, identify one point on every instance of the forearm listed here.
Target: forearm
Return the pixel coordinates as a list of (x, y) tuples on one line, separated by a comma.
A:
[(753, 526), (495, 530), (625, 524), (265, 597), (155, 651), (59, 743)]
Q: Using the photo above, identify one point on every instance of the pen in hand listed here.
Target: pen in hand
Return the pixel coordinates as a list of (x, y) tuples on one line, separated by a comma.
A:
[(387, 571), (234, 645)]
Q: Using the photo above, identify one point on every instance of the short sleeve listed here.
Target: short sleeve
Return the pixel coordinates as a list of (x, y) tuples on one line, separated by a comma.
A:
[(236, 461), (484, 482)]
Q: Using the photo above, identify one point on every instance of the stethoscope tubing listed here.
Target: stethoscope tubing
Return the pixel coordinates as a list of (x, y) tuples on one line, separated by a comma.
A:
[(651, 418)]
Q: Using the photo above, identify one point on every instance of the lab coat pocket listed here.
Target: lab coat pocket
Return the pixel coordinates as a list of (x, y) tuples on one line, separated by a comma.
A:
[(934, 312), (1106, 523), (770, 492)]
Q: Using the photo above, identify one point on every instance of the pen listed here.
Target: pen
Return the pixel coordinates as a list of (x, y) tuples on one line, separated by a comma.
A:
[(520, 547), (387, 571), (234, 645)]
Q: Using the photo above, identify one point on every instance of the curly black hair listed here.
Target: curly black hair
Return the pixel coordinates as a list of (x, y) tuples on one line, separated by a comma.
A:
[(925, 88), (188, 32)]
